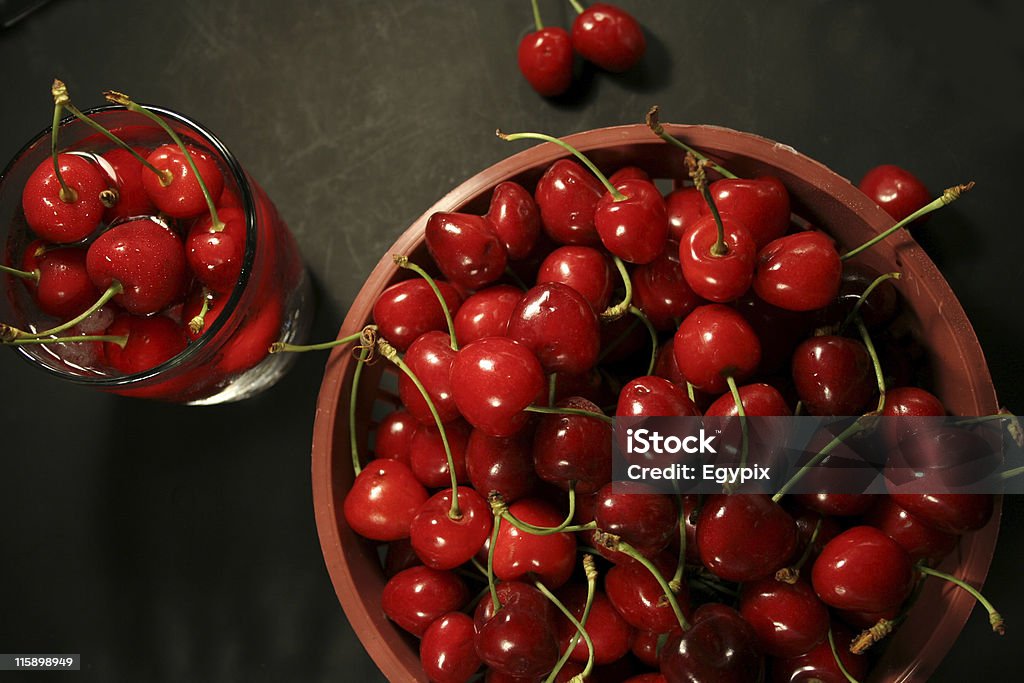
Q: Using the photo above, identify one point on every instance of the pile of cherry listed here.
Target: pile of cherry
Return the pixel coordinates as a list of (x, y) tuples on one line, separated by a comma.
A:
[(494, 473), (137, 249)]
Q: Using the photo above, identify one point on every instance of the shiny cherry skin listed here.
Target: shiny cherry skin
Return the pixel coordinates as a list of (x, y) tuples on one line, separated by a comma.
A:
[(953, 513), (651, 396), (638, 516), (898, 191), (52, 218), (715, 342), (248, 346), (147, 258), (409, 308), (634, 228), (486, 313), (684, 207), (394, 435), (628, 173), (545, 59), (905, 404), (519, 555), (502, 463), (757, 399), (443, 542), (63, 289), (567, 195), (215, 257), (720, 646), (573, 448), (744, 537), (446, 650), (609, 37), (718, 277), (761, 205), (466, 249), (586, 269), (427, 457), (430, 359), (516, 218), (639, 598), (661, 291), (921, 541), (182, 197), (515, 595), (559, 326), (818, 665), (799, 272), (152, 340), (833, 376), (517, 642), (132, 199), (862, 569), (383, 501), (788, 619), (877, 310), (645, 649), (417, 597), (609, 632), (493, 380), (935, 458)]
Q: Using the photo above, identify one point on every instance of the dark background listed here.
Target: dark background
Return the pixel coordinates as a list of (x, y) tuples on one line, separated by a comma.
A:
[(169, 543)]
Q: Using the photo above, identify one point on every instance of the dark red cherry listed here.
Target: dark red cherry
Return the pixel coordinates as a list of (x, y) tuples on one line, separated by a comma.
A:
[(443, 542), (427, 457), (906, 405), (744, 537), (810, 523), (819, 664), (836, 504), (430, 359), (573, 448), (761, 205), (954, 513), (684, 207), (63, 289), (863, 569), (639, 598), (132, 199), (146, 257), (417, 597), (645, 649), (585, 269), (182, 197), (383, 500), (516, 218), (720, 646), (546, 60), (779, 330), (151, 341), (879, 308), (651, 396), (715, 342), (559, 326), (632, 511), (661, 291), (393, 436), (646, 678), (921, 541), (833, 376), (466, 248), (609, 37), (788, 619), (635, 226), (407, 309), (799, 272), (399, 557), (520, 555), (567, 195), (493, 380), (934, 458), (718, 277), (757, 399), (517, 642), (54, 219), (502, 463), (519, 596), (486, 313), (215, 257), (447, 652), (895, 189), (608, 631)]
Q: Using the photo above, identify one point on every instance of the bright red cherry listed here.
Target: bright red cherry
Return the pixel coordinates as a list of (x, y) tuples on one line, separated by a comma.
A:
[(661, 291), (466, 249), (895, 189), (573, 448), (788, 619), (383, 501), (416, 597), (393, 436), (151, 341), (445, 543), (516, 218), (639, 598), (684, 207), (486, 313), (862, 569), (182, 197), (430, 359), (519, 554), (447, 652), (215, 256), (248, 345), (651, 396), (646, 520), (716, 271), (609, 37), (517, 642), (427, 457), (559, 326), (761, 205), (715, 342), (585, 269), (634, 225), (63, 288), (757, 399), (545, 60), (502, 463), (609, 632), (833, 376), (719, 646), (799, 272), (744, 537), (132, 200), (567, 195), (71, 218), (629, 173), (407, 309)]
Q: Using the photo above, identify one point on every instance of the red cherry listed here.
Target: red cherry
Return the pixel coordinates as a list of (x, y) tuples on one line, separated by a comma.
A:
[(132, 200), (399, 557), (415, 598), (559, 326), (54, 219), (608, 631), (430, 359), (661, 291), (545, 59), (493, 380), (63, 289), (585, 269), (761, 205), (863, 569), (633, 226), (248, 345), (215, 257), (629, 173), (639, 598), (519, 554), (567, 195), (921, 541), (427, 457), (833, 376), (877, 310), (515, 596), (644, 519), (954, 513), (744, 537), (516, 218), (393, 436), (502, 463), (757, 400), (799, 272), (573, 448), (645, 649), (896, 190), (151, 341), (819, 664), (715, 342), (609, 37), (719, 646), (788, 619), (517, 642), (466, 249), (713, 276), (653, 396), (446, 651), (486, 313), (182, 197), (383, 500), (409, 308), (779, 330), (684, 207), (445, 543)]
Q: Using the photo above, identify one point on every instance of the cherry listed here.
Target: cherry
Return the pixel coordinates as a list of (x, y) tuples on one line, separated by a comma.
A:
[(921, 541), (493, 380), (638, 516), (629, 173), (877, 310), (546, 58), (833, 375), (639, 598), (394, 435), (520, 554), (810, 524), (430, 359), (779, 330), (684, 207), (818, 665), (486, 313), (466, 249), (215, 256), (938, 457), (757, 400), (631, 221), (58, 216), (428, 459), (608, 631), (517, 642), (608, 36), (443, 542), (559, 326), (409, 308), (954, 513), (715, 342), (862, 569), (585, 269), (502, 464), (399, 556), (146, 258), (58, 280), (661, 291), (132, 200), (836, 504), (383, 500), (151, 341), (912, 402), (573, 448), (567, 195), (788, 619), (651, 396), (744, 537), (515, 216), (799, 272), (417, 597), (645, 649), (718, 266), (895, 189), (515, 595), (251, 340), (183, 196), (447, 652), (719, 646), (761, 205)]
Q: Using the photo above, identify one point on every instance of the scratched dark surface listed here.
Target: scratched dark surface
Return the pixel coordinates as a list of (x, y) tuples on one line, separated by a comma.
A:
[(177, 544)]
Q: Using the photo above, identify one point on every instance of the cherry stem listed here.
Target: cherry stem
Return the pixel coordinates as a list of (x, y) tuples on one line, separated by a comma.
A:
[(870, 636), (511, 137), (839, 661), (676, 583), (66, 194), (495, 527), (618, 310), (994, 618), (655, 125), (700, 181), (536, 16), (870, 346), (577, 6), (613, 542), (23, 274), (864, 296), (280, 347), (120, 340), (591, 574), (1013, 426), (363, 354), (691, 394), (197, 322), (580, 631), (569, 411), (12, 333), (857, 426), (127, 103), (1010, 474), (389, 352), (745, 436), (404, 262), (949, 196), (498, 505), (653, 333)]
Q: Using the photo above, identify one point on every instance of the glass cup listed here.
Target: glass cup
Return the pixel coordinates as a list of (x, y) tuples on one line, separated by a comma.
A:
[(229, 360)]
